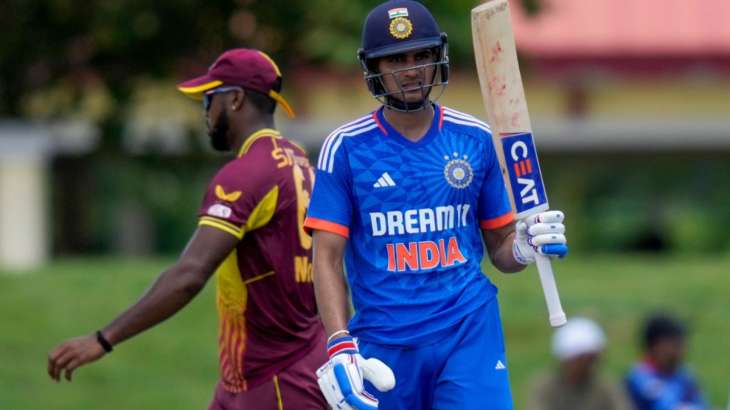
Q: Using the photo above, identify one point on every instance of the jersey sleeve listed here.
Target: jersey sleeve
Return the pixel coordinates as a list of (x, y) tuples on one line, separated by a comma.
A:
[(636, 387), (239, 199), (494, 209), (330, 208)]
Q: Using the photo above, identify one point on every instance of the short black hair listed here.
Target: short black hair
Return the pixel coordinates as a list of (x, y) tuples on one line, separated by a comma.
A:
[(262, 102), (662, 326)]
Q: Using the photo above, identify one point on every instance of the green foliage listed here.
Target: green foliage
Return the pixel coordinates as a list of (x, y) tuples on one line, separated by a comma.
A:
[(651, 202), (107, 43), (174, 366), (81, 45)]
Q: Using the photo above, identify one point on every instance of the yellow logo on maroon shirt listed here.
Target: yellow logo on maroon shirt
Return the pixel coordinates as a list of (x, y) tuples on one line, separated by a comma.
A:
[(227, 197)]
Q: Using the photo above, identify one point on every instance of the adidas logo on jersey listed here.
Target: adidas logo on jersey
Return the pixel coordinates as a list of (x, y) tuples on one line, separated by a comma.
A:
[(500, 365), (385, 181)]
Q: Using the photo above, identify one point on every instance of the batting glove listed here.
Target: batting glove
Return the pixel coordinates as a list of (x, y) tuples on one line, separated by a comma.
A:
[(341, 378), (543, 233)]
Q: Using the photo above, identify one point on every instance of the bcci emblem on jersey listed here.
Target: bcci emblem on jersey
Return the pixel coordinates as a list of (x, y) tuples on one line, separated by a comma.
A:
[(458, 172)]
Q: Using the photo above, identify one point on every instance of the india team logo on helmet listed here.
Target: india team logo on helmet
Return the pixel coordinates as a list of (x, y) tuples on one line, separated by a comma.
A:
[(458, 172), (401, 28)]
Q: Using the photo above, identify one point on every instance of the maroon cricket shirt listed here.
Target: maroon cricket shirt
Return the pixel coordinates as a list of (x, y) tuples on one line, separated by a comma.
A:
[(265, 296)]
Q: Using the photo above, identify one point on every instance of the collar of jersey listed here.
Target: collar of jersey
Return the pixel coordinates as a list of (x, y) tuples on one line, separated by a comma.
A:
[(262, 133), (433, 131)]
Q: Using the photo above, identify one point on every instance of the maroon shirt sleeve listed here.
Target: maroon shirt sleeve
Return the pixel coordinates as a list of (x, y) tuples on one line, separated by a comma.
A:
[(238, 198)]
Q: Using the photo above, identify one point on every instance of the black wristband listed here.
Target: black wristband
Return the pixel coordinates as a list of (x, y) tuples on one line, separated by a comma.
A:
[(103, 342)]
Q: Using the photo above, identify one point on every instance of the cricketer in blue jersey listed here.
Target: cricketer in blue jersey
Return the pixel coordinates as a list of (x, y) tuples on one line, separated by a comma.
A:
[(659, 381), (408, 196)]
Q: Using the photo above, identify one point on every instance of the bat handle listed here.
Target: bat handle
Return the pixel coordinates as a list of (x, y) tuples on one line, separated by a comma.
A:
[(550, 289)]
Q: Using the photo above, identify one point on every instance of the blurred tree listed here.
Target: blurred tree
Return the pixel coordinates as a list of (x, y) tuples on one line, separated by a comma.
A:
[(91, 60), (74, 51), (80, 46)]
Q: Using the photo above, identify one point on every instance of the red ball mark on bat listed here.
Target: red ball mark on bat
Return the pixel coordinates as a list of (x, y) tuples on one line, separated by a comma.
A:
[(502, 90), (515, 119), (497, 85), (492, 83), (495, 52)]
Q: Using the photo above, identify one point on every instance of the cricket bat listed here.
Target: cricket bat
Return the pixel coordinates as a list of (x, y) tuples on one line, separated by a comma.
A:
[(504, 100)]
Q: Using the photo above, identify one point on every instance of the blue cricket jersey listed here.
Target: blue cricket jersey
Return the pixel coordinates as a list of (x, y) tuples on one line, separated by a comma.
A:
[(413, 213), (651, 390)]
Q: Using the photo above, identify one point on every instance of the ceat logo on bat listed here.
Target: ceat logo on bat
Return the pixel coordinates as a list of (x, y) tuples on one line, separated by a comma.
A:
[(528, 190)]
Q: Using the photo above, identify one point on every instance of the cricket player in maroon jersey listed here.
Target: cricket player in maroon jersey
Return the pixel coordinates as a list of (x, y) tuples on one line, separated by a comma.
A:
[(250, 230)]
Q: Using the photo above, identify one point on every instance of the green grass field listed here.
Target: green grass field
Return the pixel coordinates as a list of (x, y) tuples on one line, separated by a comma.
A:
[(174, 365)]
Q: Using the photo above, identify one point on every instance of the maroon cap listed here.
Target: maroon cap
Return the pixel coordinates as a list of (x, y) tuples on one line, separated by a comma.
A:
[(248, 68)]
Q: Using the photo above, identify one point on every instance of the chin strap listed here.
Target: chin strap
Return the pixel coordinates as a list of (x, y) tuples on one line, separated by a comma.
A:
[(403, 106)]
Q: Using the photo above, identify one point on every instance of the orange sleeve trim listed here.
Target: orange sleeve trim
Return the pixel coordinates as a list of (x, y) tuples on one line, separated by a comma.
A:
[(327, 226), (499, 221), (377, 121)]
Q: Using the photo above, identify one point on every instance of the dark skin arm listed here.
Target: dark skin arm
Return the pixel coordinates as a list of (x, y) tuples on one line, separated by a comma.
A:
[(329, 280), (172, 290), (499, 247)]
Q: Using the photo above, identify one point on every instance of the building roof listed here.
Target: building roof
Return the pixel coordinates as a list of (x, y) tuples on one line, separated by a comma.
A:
[(625, 28)]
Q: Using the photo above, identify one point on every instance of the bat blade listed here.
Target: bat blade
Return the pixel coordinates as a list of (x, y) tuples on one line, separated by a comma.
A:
[(504, 100), (499, 71)]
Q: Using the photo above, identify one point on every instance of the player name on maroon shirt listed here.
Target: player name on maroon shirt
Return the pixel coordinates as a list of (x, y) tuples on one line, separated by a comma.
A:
[(265, 296)]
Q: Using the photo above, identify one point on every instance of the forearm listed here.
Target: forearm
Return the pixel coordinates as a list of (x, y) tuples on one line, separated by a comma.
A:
[(503, 258), (172, 290), (331, 293)]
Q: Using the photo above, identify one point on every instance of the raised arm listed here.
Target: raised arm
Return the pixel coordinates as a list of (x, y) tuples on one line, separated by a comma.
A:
[(499, 247)]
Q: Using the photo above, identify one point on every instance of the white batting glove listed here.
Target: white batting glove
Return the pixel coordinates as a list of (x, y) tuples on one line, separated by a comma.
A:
[(543, 233), (341, 378)]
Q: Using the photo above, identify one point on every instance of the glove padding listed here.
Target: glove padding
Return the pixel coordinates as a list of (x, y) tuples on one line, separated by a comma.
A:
[(341, 378), (543, 233)]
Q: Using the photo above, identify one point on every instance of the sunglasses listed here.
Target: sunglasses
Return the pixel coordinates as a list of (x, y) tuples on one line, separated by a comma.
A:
[(208, 96)]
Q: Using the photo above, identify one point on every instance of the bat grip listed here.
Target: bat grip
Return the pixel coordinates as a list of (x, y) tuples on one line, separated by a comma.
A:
[(550, 289)]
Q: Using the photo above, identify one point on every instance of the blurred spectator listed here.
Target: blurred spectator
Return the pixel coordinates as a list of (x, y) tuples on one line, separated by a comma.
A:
[(659, 381), (576, 383)]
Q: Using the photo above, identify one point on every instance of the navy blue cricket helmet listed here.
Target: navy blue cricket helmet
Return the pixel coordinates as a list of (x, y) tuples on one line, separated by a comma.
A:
[(397, 27)]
